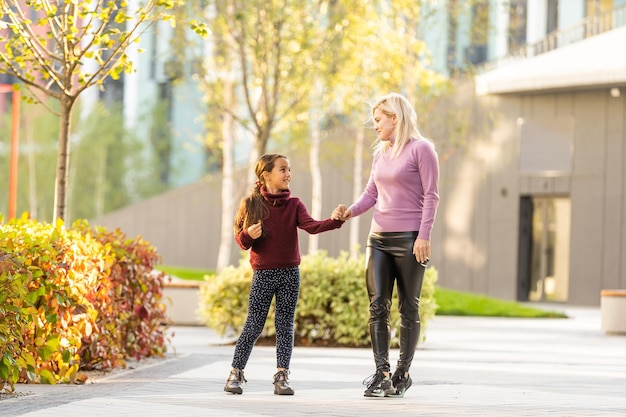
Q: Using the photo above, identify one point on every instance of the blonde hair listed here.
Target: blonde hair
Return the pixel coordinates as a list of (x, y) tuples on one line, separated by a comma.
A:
[(394, 104)]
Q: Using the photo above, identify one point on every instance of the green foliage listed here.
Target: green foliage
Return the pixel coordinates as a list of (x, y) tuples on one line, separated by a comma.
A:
[(49, 51), (110, 160), (100, 164), (333, 308), (72, 299), (55, 30), (460, 303), (131, 314), (107, 161), (224, 299), (38, 136)]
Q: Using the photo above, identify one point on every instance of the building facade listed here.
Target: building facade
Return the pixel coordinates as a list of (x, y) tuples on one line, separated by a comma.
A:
[(535, 207)]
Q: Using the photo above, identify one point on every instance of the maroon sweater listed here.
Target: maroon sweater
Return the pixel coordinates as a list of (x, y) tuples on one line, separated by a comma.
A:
[(279, 247)]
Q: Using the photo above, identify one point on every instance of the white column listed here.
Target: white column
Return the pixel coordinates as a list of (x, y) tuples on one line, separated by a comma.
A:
[(131, 101), (536, 20), (500, 15)]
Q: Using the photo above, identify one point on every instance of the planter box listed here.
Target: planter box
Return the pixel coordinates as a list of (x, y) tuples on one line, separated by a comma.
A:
[(181, 299), (613, 311)]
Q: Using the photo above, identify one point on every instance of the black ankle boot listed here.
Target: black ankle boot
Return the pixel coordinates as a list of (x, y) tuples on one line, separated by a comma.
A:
[(235, 381), (401, 383), (378, 385), (281, 383)]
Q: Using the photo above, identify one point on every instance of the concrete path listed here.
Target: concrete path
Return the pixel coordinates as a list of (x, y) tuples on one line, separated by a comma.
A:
[(467, 367)]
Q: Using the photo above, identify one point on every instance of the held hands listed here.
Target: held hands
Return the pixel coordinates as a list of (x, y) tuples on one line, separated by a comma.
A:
[(255, 230), (341, 213)]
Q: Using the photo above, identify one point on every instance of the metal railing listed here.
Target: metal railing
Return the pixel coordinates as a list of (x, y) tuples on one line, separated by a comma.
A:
[(590, 26)]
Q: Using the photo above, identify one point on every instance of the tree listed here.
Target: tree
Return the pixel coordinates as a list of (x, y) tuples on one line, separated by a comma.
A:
[(215, 71), (37, 158), (338, 25), (98, 175), (259, 74), (67, 47), (380, 51), (276, 63), (228, 100)]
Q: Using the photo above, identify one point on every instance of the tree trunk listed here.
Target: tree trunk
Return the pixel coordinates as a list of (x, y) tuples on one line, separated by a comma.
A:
[(314, 161), (69, 191), (228, 163), (101, 178), (63, 158), (357, 189), (252, 159), (32, 168), (226, 234)]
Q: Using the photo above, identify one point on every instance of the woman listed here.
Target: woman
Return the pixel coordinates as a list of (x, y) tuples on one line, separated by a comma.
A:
[(403, 189)]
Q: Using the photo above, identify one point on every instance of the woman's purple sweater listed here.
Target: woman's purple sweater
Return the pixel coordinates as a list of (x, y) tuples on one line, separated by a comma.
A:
[(403, 191)]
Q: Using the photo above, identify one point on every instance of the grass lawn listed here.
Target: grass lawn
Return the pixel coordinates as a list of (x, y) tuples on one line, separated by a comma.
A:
[(459, 303), (190, 274), (451, 302)]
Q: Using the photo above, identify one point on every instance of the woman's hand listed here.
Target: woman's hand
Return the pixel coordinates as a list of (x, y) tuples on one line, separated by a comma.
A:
[(421, 250), (255, 230)]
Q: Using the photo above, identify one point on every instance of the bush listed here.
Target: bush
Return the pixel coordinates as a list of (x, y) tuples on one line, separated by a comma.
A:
[(73, 299), (131, 316), (333, 308)]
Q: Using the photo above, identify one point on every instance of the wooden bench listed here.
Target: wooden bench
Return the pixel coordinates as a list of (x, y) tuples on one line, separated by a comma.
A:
[(181, 299), (613, 311)]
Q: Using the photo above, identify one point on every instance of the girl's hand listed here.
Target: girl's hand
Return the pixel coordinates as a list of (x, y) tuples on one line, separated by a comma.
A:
[(255, 230)]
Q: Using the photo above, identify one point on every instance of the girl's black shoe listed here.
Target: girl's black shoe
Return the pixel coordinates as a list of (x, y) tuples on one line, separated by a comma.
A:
[(235, 381), (281, 383)]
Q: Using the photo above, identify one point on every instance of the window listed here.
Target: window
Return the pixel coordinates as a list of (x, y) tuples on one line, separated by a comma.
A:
[(518, 10), (553, 16)]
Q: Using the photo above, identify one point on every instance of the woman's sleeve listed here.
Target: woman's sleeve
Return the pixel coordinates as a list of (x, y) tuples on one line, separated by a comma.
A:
[(429, 173)]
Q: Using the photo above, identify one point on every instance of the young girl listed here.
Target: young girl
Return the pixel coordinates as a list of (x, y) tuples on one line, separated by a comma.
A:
[(267, 223)]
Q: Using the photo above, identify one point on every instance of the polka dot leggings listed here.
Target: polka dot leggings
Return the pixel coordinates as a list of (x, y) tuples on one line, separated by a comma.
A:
[(284, 283)]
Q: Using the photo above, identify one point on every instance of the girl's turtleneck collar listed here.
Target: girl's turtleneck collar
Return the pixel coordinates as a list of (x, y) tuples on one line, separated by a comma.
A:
[(275, 199)]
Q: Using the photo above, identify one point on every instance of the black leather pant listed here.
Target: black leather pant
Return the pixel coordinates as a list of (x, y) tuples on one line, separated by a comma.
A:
[(390, 259)]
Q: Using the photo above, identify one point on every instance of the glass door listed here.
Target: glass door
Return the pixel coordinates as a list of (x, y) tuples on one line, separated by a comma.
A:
[(550, 243)]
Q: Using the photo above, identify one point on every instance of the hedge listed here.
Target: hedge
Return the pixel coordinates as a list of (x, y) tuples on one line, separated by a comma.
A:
[(333, 308), (74, 299)]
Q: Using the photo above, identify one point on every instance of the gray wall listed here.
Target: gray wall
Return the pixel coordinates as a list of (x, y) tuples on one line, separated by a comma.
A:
[(598, 191), (475, 238)]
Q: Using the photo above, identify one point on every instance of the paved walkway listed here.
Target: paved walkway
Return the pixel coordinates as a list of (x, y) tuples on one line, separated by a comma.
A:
[(467, 367)]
